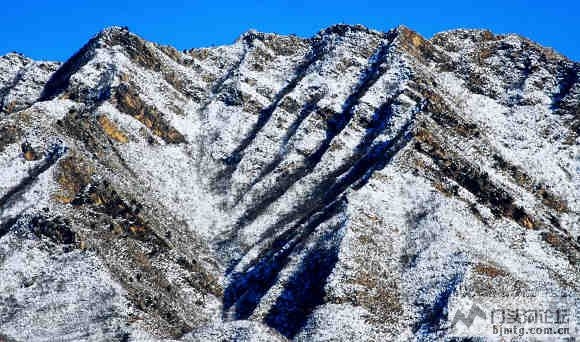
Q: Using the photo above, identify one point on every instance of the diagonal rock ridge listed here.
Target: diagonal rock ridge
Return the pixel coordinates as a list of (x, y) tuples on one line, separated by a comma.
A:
[(355, 184)]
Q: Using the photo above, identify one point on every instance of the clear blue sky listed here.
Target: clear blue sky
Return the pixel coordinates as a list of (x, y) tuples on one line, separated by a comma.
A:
[(54, 30)]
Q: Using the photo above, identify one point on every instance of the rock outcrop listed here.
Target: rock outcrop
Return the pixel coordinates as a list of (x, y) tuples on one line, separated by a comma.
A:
[(345, 186)]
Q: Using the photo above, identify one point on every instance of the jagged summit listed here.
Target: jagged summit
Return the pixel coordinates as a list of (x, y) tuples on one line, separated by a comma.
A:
[(341, 29), (14, 55), (467, 36), (352, 185), (114, 30)]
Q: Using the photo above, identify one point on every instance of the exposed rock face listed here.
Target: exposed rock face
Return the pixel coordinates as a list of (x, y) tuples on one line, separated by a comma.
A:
[(342, 187)]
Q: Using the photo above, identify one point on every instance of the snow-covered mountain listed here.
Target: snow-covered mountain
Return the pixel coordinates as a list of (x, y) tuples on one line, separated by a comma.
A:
[(343, 187)]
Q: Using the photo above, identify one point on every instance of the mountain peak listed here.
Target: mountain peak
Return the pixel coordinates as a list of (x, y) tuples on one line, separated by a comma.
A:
[(118, 35), (252, 34), (14, 55), (343, 29), (351, 185), (114, 30)]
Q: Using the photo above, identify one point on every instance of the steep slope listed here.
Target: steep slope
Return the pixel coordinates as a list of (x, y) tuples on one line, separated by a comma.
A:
[(344, 186), (21, 81)]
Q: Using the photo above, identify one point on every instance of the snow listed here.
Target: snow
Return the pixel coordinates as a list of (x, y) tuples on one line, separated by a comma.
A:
[(402, 246), (518, 135), (49, 294)]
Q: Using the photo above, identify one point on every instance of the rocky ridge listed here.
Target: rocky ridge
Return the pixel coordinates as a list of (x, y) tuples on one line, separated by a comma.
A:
[(349, 185)]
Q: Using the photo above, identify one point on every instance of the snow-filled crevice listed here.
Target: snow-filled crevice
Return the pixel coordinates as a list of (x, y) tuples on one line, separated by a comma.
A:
[(53, 154), (434, 314), (265, 114), (381, 121), (337, 123), (59, 81), (6, 224), (306, 110), (219, 84), (377, 66), (305, 287), (520, 83), (15, 80), (355, 170), (247, 287), (376, 159), (304, 291), (565, 85)]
